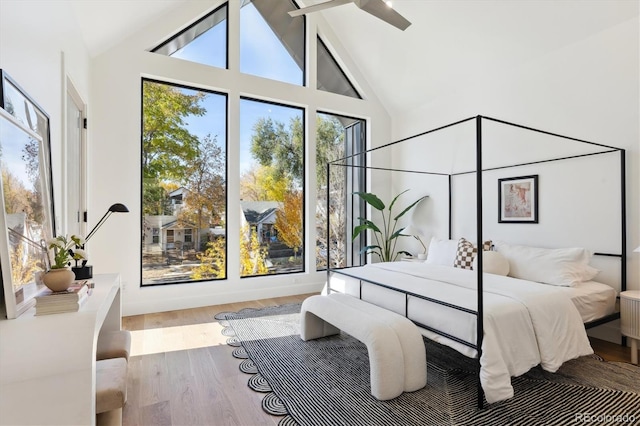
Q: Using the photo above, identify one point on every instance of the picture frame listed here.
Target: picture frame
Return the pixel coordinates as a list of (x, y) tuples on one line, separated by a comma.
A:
[(518, 199), (26, 196)]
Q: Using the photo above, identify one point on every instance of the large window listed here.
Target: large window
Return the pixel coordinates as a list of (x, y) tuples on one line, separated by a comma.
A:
[(272, 188), (271, 42), (184, 196), (331, 78), (204, 42), (339, 137), (184, 155)]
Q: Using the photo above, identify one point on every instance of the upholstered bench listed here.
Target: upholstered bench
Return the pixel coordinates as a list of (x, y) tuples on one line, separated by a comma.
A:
[(111, 390), (397, 354), (114, 344)]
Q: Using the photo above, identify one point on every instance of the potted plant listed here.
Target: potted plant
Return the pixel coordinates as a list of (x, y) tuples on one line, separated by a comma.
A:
[(386, 235), (65, 249)]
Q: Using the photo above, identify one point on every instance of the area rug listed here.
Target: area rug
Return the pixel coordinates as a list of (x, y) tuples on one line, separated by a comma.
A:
[(326, 382)]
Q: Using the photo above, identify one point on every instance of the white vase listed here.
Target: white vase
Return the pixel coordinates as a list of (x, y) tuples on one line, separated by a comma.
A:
[(58, 279)]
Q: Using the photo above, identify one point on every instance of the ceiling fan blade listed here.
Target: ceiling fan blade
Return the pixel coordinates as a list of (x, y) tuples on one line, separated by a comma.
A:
[(380, 9), (318, 7)]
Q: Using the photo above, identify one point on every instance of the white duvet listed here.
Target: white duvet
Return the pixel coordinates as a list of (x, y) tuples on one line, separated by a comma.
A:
[(525, 323)]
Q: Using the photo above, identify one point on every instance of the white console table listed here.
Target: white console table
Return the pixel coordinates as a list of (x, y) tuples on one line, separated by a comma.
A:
[(48, 362)]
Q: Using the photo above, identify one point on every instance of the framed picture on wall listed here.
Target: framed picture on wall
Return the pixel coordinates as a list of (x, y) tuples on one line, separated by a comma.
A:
[(518, 199)]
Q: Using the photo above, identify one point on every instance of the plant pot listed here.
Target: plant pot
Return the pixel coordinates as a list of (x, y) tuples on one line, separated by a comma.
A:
[(58, 279)]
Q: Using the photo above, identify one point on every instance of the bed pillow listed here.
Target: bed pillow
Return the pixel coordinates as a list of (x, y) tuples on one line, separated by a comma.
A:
[(466, 253), (562, 267), (442, 252), (493, 262)]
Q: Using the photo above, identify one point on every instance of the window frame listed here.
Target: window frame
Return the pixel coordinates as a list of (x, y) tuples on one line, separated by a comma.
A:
[(183, 32), (226, 178), (354, 251), (303, 256)]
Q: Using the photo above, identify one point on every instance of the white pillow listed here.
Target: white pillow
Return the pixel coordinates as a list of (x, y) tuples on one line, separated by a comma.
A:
[(493, 263), (442, 252), (562, 267)]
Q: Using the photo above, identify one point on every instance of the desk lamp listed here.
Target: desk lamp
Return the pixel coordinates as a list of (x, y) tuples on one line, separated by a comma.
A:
[(86, 271)]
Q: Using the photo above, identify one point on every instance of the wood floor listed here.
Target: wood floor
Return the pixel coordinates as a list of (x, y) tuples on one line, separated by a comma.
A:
[(181, 371)]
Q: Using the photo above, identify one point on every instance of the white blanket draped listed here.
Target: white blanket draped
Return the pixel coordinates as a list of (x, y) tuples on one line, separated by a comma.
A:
[(525, 323)]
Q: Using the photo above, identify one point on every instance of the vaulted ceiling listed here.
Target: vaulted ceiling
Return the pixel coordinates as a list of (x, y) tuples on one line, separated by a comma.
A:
[(450, 42)]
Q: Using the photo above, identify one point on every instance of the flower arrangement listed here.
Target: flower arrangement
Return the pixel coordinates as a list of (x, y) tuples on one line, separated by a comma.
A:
[(65, 249)]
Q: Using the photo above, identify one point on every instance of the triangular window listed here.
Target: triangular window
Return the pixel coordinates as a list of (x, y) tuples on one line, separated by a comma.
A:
[(331, 78), (204, 42), (271, 41)]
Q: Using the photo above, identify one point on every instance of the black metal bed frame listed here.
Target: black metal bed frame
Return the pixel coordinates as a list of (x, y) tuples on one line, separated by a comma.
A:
[(478, 172)]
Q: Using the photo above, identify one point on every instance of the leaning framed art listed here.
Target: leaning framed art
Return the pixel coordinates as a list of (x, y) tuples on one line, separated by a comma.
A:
[(518, 199), (25, 213)]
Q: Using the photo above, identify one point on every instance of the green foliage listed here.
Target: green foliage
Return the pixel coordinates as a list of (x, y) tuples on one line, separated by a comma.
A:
[(329, 145), (154, 198), (276, 146), (168, 148), (387, 235), (167, 144), (205, 180), (213, 261), (65, 249)]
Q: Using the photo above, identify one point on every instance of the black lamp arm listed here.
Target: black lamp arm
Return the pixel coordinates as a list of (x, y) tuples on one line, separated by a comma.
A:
[(117, 207), (98, 225)]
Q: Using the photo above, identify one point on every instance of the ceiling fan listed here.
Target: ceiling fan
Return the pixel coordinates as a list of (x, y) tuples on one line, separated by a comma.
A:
[(378, 8)]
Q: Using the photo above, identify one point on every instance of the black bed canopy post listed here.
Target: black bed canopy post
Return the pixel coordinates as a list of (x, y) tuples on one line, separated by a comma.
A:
[(328, 231), (623, 220), (480, 318), (450, 202), (623, 230)]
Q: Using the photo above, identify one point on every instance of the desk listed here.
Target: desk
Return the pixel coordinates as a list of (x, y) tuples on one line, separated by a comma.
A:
[(48, 362)]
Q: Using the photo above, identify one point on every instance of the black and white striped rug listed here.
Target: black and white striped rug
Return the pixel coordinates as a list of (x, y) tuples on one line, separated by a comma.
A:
[(326, 382)]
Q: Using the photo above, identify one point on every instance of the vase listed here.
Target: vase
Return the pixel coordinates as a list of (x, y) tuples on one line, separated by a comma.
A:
[(58, 279)]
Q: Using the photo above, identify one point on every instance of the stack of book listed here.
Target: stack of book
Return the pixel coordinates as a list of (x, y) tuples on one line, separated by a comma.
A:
[(70, 300)]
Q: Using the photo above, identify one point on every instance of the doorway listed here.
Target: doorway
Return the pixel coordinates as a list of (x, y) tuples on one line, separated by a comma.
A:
[(76, 178)]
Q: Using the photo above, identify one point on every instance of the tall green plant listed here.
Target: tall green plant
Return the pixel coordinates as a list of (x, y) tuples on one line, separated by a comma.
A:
[(386, 236)]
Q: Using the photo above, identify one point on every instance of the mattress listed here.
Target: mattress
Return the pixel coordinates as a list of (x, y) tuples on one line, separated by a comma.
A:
[(593, 300)]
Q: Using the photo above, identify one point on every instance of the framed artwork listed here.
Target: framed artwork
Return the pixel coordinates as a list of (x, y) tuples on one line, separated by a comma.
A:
[(518, 199), (26, 201)]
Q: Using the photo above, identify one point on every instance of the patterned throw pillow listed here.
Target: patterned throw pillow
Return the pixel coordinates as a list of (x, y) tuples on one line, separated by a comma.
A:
[(467, 252)]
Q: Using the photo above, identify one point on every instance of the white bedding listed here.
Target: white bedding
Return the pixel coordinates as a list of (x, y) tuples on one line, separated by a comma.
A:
[(525, 323), (593, 300)]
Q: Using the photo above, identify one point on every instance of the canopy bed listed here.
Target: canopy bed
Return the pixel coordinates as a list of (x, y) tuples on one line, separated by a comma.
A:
[(539, 312)]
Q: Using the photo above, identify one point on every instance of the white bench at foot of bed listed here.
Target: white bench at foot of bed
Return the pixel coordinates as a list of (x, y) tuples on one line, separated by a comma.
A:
[(397, 354)]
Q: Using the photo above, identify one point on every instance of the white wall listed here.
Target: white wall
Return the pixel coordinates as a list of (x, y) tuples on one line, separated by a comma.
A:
[(34, 37), (588, 90), (115, 158)]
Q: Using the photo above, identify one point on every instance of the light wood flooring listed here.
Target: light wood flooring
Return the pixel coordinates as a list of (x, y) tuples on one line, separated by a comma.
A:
[(181, 371)]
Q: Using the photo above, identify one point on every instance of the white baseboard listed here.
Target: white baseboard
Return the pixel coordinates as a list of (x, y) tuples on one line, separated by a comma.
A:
[(192, 300)]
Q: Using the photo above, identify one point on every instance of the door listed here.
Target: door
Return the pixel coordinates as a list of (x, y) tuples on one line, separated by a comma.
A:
[(76, 162)]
